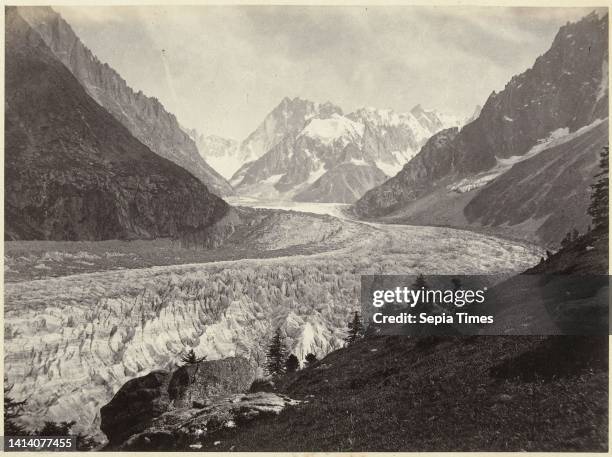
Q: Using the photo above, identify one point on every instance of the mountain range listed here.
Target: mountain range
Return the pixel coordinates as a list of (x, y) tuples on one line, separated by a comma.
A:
[(340, 169), (525, 165), (522, 165), (73, 171), (307, 151)]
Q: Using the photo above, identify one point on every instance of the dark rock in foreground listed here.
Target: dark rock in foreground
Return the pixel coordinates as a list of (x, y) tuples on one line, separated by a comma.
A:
[(141, 401), (188, 428)]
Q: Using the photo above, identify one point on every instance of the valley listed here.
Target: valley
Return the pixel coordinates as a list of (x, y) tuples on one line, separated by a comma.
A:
[(136, 243), (71, 341)]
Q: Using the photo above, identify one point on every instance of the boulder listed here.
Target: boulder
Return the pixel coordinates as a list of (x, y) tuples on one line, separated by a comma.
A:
[(142, 400), (133, 407), (198, 382)]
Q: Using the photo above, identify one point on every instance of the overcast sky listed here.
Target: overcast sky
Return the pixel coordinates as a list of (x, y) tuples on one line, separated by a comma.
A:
[(222, 69)]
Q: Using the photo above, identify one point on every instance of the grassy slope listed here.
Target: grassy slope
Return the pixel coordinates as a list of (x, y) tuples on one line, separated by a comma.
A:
[(394, 394), (486, 393)]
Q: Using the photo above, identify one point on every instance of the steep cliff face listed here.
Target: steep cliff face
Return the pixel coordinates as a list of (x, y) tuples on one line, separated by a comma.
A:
[(145, 117), (72, 171), (565, 91)]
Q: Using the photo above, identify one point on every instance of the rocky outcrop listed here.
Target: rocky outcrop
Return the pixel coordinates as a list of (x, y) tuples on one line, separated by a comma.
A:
[(145, 117), (561, 97), (135, 405), (196, 383), (143, 403), (73, 172), (190, 428)]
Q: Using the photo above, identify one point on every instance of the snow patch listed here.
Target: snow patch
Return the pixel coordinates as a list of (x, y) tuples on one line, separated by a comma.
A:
[(359, 162), (336, 127), (273, 179), (388, 168), (401, 158), (314, 175), (603, 85), (555, 138)]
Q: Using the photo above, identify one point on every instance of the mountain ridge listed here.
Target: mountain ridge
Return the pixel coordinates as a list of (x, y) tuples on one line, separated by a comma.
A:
[(73, 172), (145, 117), (564, 91)]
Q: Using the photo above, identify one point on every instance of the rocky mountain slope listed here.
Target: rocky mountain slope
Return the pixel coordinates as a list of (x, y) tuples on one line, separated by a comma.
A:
[(221, 153), (145, 117), (73, 172), (325, 156), (459, 176), (287, 118)]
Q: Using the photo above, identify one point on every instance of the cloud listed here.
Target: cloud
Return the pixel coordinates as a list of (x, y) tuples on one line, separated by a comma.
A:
[(224, 67)]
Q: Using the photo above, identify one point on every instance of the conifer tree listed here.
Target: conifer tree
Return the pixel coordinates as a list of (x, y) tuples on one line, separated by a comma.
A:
[(12, 411), (56, 428), (598, 209), (310, 359), (575, 235), (456, 283), (191, 359), (292, 364), (421, 284), (567, 239), (276, 355), (356, 329)]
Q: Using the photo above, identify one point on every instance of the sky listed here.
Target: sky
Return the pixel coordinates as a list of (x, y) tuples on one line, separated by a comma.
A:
[(221, 69)]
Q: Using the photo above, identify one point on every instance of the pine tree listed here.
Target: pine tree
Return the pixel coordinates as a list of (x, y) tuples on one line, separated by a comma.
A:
[(292, 364), (567, 239), (356, 329), (191, 359), (56, 428), (421, 284), (12, 411), (456, 283), (575, 234), (598, 209), (276, 355), (310, 359)]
